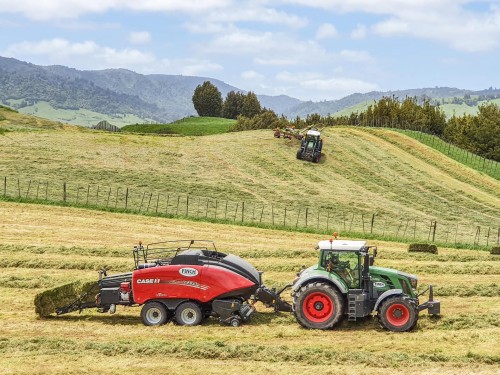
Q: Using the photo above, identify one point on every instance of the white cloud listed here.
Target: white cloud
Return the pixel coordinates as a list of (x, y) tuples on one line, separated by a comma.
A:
[(267, 48), (61, 9), (445, 21), (359, 32), (139, 37), (320, 87), (83, 55), (326, 31), (187, 66), (252, 75)]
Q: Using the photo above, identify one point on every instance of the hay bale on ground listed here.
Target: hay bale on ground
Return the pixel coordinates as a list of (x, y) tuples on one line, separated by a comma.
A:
[(495, 250), (423, 248), (48, 301)]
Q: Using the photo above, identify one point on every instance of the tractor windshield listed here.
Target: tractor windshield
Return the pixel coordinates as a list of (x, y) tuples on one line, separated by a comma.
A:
[(346, 264)]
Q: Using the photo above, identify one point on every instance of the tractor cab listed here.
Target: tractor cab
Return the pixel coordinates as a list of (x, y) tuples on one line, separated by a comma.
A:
[(346, 259)]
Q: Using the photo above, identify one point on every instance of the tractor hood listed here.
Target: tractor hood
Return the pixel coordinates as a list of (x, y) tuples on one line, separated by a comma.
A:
[(374, 270)]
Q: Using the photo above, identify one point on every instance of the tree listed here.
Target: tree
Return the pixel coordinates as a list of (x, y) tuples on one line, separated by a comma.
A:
[(251, 105), (233, 105), (207, 100)]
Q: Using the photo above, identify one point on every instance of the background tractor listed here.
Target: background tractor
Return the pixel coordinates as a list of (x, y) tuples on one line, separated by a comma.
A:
[(311, 146), (345, 283)]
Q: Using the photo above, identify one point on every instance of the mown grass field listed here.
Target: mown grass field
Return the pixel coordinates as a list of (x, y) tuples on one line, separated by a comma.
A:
[(44, 246), (362, 172)]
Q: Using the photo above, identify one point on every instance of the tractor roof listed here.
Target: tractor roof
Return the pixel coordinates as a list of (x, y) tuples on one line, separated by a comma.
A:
[(341, 245), (313, 133)]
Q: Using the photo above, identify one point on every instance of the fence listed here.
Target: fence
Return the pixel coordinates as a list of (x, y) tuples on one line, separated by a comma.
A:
[(488, 166), (314, 219)]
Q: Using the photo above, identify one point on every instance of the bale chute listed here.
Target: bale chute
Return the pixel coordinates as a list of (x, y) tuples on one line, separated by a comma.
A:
[(68, 297)]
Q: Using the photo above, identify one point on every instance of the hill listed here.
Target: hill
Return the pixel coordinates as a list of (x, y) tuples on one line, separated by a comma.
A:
[(123, 97), (187, 126), (43, 246), (117, 95), (363, 172)]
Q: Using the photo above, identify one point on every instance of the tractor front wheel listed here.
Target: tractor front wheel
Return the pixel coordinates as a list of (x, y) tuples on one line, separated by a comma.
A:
[(318, 306), (154, 314), (299, 154), (398, 314), (188, 314)]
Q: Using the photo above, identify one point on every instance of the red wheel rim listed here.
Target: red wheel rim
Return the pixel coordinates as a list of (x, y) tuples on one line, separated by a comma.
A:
[(318, 307), (398, 314)]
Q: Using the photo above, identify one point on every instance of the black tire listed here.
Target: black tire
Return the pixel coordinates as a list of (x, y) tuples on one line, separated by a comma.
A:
[(188, 314), (398, 314), (154, 314), (299, 154), (235, 322), (318, 306)]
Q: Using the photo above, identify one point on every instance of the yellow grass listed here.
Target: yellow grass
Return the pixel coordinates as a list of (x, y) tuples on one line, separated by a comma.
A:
[(51, 243)]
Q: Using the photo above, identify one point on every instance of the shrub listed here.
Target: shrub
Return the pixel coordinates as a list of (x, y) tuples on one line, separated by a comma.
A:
[(423, 248)]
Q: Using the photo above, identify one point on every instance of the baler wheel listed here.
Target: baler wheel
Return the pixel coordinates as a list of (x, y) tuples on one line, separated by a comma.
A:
[(398, 314), (154, 314), (188, 314)]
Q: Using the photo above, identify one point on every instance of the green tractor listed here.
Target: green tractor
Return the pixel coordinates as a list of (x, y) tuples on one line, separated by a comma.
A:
[(345, 282), (311, 146)]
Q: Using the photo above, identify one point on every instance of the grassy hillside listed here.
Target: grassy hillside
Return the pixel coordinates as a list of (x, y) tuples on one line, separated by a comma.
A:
[(43, 247), (192, 126), (363, 172), (83, 117), (12, 120)]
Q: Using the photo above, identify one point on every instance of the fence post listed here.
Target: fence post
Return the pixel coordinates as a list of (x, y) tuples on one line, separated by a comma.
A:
[(372, 222), (307, 214), (434, 231), (64, 192), (272, 212), (18, 189), (97, 196), (242, 211), (142, 200), (126, 199), (149, 202), (328, 221), (284, 218), (47, 191), (37, 189), (28, 190), (187, 206), (177, 208), (109, 195), (488, 237), (5, 186)]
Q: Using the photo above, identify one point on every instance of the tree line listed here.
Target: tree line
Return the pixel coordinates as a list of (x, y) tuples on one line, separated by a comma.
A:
[(479, 134)]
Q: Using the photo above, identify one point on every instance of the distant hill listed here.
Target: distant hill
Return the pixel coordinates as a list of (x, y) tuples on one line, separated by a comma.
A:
[(116, 93), (123, 97)]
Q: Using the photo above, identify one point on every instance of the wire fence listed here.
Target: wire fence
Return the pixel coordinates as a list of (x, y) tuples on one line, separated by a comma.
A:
[(488, 166), (314, 219)]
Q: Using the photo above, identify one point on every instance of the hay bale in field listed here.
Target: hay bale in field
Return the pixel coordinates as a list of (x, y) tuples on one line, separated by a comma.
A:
[(423, 248), (47, 301), (495, 250)]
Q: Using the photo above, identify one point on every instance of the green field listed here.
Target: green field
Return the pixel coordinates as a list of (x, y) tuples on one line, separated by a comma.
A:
[(43, 246), (363, 172), (190, 126), (83, 117)]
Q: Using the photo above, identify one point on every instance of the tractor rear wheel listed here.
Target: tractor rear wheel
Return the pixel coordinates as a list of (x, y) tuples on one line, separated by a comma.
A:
[(318, 306), (154, 314), (299, 154), (398, 314), (188, 314)]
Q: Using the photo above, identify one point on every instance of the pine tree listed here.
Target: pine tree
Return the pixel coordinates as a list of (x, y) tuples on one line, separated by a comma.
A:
[(207, 100)]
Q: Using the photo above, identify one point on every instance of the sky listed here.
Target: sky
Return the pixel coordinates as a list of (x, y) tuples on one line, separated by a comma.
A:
[(308, 49)]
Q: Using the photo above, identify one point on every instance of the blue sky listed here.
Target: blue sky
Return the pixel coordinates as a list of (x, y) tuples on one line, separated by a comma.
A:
[(308, 49)]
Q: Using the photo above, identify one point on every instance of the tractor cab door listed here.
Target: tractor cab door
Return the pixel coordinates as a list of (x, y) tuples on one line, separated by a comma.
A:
[(346, 264)]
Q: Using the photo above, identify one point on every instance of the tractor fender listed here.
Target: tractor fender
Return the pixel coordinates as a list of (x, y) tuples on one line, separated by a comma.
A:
[(386, 294), (321, 278)]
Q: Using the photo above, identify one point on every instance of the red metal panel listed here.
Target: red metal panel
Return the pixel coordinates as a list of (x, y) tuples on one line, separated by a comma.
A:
[(200, 283)]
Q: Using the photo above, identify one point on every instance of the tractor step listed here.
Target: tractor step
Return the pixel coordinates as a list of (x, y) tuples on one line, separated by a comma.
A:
[(351, 317)]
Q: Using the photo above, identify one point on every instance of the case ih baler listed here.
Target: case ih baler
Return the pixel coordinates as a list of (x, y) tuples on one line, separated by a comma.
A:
[(190, 281), (184, 280)]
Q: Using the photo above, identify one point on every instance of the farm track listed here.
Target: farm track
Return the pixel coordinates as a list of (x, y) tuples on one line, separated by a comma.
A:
[(44, 246)]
